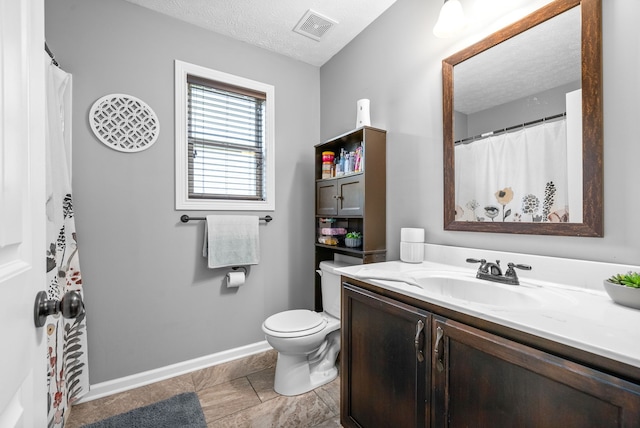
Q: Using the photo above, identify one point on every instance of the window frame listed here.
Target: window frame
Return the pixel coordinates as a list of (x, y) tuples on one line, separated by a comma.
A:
[(183, 202)]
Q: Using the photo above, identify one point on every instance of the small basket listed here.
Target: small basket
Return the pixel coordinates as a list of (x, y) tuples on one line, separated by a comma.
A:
[(332, 231), (328, 240)]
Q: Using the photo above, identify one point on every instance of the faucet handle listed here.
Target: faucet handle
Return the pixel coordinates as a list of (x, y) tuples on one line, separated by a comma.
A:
[(518, 266), (511, 271), (483, 264)]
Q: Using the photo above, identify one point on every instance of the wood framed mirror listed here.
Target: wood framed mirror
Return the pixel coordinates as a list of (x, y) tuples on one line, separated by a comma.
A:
[(502, 209)]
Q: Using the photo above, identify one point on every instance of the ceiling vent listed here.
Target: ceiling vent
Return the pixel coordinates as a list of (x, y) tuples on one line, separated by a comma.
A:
[(314, 25)]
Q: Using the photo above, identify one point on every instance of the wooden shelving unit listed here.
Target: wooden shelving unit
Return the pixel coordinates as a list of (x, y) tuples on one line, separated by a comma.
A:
[(354, 201)]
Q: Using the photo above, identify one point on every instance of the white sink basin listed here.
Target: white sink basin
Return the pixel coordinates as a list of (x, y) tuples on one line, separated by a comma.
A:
[(470, 289), (464, 288)]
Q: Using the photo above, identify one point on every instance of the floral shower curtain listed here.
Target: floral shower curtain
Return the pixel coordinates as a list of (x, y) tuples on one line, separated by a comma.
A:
[(67, 372), (514, 176)]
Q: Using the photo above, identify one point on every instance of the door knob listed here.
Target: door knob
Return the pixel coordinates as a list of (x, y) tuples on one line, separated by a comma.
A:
[(70, 305)]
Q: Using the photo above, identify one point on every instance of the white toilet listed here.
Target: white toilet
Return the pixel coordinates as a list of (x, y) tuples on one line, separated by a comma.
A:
[(308, 342)]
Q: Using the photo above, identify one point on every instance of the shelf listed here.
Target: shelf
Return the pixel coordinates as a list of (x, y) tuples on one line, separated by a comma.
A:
[(343, 249), (341, 217), (351, 135), (348, 250), (353, 174)]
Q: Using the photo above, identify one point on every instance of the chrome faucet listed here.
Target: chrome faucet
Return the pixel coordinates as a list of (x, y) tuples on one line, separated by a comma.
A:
[(493, 268), (492, 271)]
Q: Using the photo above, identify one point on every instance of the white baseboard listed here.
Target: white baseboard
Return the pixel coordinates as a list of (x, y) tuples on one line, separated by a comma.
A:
[(126, 383)]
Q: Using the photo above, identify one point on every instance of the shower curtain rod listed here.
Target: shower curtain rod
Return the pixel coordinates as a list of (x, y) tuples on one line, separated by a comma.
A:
[(185, 218), (511, 128), (53, 58)]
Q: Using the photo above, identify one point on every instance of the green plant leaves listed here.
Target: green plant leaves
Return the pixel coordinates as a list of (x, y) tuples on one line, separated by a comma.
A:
[(630, 279)]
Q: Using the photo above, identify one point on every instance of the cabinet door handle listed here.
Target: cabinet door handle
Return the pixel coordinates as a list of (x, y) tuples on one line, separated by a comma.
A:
[(419, 328), (436, 349)]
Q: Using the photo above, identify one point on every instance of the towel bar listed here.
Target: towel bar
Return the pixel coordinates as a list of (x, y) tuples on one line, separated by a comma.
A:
[(185, 218)]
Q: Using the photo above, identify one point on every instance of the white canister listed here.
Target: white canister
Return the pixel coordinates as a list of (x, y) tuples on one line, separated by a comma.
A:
[(411, 245), (363, 117)]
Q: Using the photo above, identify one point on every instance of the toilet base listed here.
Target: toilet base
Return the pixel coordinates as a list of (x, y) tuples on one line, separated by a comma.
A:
[(297, 374)]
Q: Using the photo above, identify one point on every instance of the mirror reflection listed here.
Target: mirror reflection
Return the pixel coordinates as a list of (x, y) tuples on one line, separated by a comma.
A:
[(523, 126), (515, 159)]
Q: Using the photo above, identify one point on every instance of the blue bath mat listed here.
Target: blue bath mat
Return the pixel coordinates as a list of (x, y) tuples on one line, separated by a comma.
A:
[(182, 411)]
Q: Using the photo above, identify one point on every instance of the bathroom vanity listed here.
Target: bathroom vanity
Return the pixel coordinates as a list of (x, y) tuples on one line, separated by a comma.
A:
[(434, 352)]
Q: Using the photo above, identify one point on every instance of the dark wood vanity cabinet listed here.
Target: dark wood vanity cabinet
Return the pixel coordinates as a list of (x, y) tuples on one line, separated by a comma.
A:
[(484, 380), (469, 377), (385, 362)]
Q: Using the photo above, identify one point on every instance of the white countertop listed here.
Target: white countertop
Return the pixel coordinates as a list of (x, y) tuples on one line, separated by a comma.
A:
[(578, 316)]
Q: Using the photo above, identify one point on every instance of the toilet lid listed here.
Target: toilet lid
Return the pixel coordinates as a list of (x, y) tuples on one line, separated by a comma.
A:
[(292, 321)]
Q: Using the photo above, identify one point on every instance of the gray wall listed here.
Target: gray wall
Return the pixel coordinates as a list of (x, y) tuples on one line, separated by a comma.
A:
[(396, 63), (150, 299), (523, 110)]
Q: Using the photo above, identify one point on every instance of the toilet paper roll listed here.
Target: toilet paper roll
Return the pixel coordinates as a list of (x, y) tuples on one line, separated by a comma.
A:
[(235, 279)]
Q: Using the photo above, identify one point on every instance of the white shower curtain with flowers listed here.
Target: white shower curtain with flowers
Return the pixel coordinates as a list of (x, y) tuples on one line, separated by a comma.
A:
[(67, 372), (514, 176)]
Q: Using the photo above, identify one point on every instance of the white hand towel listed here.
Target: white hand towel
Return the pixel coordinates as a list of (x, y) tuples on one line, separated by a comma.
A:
[(231, 240)]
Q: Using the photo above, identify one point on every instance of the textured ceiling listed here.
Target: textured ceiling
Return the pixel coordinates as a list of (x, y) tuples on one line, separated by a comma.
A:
[(269, 24), (542, 58)]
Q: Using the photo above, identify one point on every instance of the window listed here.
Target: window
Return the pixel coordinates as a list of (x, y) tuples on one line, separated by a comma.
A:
[(224, 141)]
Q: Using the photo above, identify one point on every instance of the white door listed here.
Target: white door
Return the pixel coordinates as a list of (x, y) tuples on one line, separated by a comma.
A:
[(23, 382)]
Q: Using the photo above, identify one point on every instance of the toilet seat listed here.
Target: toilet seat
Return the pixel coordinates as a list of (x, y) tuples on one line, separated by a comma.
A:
[(295, 323)]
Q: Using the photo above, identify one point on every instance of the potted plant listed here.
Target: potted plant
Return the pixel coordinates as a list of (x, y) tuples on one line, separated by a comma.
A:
[(353, 239), (624, 289)]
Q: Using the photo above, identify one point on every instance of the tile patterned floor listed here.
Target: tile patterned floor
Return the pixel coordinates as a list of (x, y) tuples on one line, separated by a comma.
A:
[(234, 394)]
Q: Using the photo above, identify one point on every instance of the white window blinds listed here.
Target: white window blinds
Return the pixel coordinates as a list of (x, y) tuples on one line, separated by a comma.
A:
[(226, 150)]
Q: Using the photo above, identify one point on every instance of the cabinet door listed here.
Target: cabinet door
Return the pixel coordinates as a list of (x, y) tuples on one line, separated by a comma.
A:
[(482, 380), (385, 357), (351, 196), (326, 198)]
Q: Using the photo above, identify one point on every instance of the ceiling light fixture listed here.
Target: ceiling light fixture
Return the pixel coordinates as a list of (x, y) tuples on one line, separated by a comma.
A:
[(451, 19)]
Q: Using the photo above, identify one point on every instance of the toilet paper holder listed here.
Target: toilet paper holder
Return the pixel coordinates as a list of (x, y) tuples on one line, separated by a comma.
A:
[(242, 268), (236, 277)]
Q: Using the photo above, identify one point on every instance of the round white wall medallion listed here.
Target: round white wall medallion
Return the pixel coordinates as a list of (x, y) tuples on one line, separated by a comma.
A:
[(124, 123)]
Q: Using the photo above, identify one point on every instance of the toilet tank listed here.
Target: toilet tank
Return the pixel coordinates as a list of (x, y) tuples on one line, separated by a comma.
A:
[(331, 286)]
